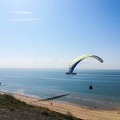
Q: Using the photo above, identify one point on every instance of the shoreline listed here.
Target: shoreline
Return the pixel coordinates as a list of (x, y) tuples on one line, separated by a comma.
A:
[(74, 109)]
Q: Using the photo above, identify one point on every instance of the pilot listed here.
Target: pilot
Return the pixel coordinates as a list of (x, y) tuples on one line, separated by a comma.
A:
[(90, 87)]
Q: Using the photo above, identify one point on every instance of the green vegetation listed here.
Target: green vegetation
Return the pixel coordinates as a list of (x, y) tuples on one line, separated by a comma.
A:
[(11, 108), (11, 102)]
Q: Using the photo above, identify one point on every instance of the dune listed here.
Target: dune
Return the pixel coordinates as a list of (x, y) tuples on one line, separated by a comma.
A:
[(76, 110)]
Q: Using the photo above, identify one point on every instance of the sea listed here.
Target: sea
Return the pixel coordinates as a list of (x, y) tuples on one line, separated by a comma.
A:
[(47, 83)]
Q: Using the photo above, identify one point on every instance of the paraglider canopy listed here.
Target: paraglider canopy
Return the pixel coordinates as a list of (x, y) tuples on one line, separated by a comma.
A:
[(74, 63)]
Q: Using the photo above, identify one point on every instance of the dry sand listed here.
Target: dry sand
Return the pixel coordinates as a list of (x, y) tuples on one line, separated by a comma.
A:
[(75, 110)]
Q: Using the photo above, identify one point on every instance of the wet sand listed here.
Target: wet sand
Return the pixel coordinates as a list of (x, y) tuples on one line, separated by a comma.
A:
[(75, 110)]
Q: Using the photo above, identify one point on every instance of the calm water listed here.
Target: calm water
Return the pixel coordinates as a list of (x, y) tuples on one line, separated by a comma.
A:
[(51, 82)]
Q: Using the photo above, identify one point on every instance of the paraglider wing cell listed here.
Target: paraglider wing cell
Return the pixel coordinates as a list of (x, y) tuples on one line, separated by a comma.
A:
[(98, 58), (73, 66)]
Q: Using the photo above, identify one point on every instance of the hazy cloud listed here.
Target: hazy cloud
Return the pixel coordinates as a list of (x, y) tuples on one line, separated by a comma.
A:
[(24, 19), (23, 16), (22, 12)]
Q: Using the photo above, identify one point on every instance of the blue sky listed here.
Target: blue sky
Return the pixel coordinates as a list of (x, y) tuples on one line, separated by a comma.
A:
[(51, 33)]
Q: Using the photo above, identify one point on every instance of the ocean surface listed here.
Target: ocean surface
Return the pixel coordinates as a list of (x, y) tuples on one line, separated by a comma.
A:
[(45, 83)]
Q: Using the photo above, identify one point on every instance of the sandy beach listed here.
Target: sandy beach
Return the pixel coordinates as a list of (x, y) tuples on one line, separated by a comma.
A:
[(75, 110)]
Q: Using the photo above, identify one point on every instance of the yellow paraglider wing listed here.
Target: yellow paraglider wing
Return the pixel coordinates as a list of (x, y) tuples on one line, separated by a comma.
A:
[(79, 59)]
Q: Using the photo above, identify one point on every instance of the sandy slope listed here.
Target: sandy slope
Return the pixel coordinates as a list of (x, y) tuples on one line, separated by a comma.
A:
[(76, 110)]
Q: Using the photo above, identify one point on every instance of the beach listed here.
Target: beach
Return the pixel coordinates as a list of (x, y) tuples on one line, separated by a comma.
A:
[(64, 107)]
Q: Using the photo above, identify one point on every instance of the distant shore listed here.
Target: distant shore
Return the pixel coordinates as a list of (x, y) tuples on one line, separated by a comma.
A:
[(75, 110)]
